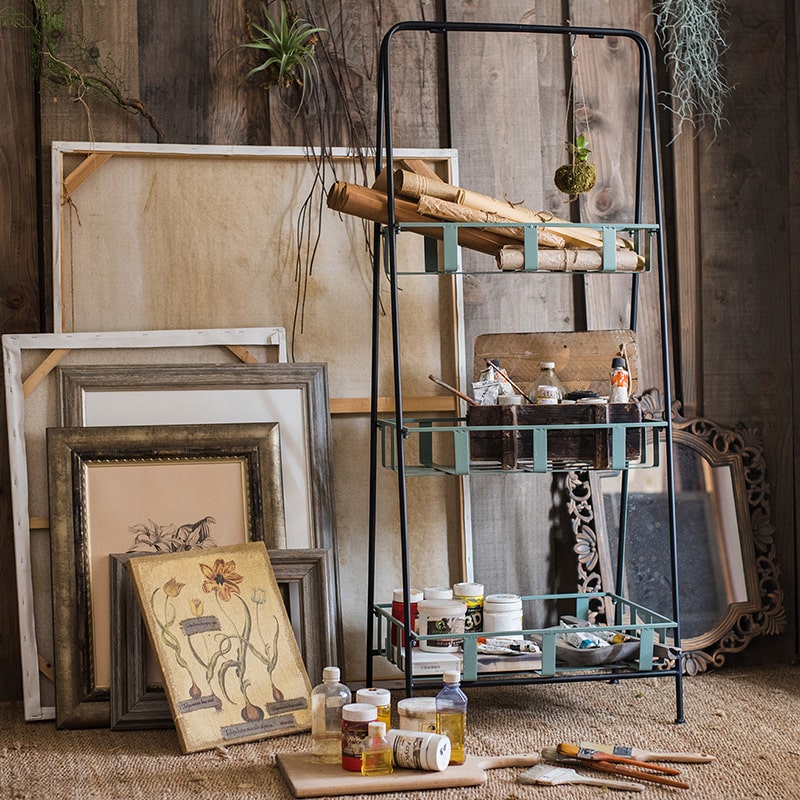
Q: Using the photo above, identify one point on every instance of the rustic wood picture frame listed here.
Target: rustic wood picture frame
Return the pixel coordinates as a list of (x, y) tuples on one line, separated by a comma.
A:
[(29, 361), (306, 580), (74, 457)]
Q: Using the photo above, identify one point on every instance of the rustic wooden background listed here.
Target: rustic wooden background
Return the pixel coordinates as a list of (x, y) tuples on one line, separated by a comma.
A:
[(730, 201)]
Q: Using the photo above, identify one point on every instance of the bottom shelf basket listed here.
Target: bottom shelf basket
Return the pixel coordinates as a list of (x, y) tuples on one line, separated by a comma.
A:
[(641, 641)]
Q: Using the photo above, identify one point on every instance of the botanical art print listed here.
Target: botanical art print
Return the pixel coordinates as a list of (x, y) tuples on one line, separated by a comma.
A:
[(232, 668)]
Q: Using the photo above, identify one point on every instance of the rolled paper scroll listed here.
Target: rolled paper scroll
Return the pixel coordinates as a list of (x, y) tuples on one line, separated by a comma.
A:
[(444, 209), (512, 257), (411, 185), (360, 201)]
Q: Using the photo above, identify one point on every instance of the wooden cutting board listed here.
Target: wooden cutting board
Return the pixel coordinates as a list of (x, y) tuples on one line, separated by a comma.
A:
[(307, 779)]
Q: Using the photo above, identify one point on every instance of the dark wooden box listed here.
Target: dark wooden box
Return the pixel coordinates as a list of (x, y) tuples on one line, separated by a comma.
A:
[(580, 448)]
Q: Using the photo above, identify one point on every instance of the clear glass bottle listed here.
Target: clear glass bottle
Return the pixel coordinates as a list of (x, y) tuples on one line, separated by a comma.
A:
[(327, 700), (547, 388), (376, 753), (451, 715)]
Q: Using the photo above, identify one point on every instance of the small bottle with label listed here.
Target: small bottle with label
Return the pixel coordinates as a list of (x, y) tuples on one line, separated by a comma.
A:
[(547, 389), (355, 730), (376, 754), (620, 381), (327, 701), (451, 715)]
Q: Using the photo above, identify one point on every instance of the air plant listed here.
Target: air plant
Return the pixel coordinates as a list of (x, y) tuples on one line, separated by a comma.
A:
[(579, 175), (288, 47)]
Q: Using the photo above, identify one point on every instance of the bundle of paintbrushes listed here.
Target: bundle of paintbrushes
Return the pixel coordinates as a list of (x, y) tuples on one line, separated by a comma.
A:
[(573, 755)]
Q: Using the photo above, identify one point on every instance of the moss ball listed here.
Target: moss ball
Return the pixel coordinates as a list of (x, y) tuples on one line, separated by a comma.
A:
[(575, 178)]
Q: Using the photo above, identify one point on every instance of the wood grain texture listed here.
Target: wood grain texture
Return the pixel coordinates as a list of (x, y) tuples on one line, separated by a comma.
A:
[(19, 286)]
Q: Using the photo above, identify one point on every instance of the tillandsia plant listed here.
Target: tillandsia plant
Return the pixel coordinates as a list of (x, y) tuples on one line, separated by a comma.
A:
[(579, 175), (288, 49)]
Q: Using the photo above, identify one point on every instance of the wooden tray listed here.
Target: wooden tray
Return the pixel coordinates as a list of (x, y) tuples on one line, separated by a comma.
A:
[(307, 779)]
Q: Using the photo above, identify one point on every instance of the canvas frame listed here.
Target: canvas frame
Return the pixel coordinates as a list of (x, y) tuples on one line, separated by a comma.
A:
[(306, 576), (74, 456), (232, 668), (29, 362)]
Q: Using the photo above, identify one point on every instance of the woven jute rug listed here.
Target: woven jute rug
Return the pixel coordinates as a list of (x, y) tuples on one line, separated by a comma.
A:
[(749, 719)]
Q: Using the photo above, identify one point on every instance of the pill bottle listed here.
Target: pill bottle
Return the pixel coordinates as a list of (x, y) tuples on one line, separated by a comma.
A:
[(398, 611), (472, 595), (376, 754), (503, 612), (355, 729), (419, 749), (381, 699), (417, 714), (437, 617)]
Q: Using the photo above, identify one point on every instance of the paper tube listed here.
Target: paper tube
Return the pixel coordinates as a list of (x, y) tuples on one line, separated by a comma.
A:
[(512, 257)]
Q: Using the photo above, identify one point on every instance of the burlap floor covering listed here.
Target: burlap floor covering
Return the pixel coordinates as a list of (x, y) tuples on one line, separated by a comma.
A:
[(748, 718)]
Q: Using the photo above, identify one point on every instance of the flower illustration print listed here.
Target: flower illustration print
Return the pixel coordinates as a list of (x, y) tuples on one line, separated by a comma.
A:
[(221, 579)]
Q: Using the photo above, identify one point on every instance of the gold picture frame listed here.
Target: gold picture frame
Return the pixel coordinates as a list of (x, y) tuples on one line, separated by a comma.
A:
[(144, 489)]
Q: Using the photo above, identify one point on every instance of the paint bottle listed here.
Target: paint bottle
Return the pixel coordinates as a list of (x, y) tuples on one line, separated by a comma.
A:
[(437, 617), (376, 754), (381, 699), (355, 729), (451, 715), (398, 611), (503, 612), (327, 700), (419, 749), (547, 389), (619, 381), (472, 595)]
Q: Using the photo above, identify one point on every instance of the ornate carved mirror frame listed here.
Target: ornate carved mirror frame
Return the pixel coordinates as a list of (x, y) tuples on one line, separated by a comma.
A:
[(751, 601)]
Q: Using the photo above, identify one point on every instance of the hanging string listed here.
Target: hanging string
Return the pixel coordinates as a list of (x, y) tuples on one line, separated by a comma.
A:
[(575, 86)]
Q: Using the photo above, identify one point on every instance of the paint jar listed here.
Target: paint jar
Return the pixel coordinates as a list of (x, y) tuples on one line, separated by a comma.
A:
[(417, 714), (547, 389), (619, 381), (398, 611), (503, 612), (437, 617), (381, 699), (472, 595), (419, 749), (438, 593), (355, 729)]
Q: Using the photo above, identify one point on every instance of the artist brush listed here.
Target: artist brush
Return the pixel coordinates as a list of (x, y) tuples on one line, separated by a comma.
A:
[(455, 391), (648, 755), (573, 751), (551, 754)]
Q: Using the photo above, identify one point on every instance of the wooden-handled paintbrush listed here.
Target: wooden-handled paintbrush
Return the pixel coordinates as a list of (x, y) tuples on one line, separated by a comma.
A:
[(648, 755), (583, 753)]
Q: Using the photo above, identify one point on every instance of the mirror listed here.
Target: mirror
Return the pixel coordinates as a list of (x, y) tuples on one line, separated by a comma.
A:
[(729, 590)]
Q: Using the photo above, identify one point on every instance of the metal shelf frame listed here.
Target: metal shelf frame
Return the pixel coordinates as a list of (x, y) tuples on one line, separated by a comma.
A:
[(400, 428)]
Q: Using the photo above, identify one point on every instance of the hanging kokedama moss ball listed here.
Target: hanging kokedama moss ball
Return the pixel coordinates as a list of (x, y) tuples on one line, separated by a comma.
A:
[(580, 175)]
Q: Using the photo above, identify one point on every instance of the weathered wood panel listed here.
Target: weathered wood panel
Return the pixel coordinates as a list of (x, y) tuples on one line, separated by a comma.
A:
[(19, 289), (746, 297)]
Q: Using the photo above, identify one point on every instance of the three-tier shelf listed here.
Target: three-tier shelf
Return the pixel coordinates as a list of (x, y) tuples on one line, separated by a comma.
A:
[(657, 653)]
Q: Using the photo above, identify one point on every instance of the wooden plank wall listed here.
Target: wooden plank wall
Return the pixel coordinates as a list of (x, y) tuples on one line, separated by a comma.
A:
[(734, 295)]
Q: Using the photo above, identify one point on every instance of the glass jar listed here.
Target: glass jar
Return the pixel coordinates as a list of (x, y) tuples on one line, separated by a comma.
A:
[(547, 389)]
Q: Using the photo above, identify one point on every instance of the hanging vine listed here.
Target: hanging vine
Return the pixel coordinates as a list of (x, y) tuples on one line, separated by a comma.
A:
[(692, 37), (69, 60)]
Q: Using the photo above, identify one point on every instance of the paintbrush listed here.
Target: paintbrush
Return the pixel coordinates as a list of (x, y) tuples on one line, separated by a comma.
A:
[(455, 391), (551, 754), (573, 751), (648, 755), (548, 775)]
